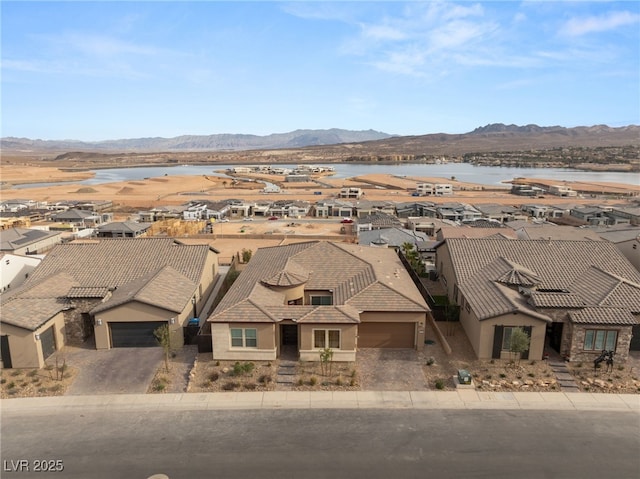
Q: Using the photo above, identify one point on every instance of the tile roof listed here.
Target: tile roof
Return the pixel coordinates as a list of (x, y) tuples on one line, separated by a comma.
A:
[(115, 262), (361, 279), (595, 273), (601, 315), (31, 305), (87, 292), (556, 300)]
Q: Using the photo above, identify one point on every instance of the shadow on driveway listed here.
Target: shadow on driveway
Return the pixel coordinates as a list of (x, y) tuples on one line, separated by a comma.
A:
[(113, 371)]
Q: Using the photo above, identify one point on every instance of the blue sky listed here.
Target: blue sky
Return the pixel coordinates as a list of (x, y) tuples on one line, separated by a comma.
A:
[(106, 70)]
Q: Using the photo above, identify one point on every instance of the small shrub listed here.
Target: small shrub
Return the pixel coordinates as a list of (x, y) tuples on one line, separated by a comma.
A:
[(11, 385), (12, 392), (352, 382), (250, 386), (217, 363), (313, 381), (213, 377), (205, 384), (610, 380), (487, 377), (620, 367), (493, 361), (353, 373), (24, 384), (531, 375), (3, 380), (503, 375), (16, 373), (553, 386), (519, 376), (159, 387), (32, 373), (617, 376), (439, 384), (265, 379), (230, 386), (42, 390), (240, 369), (431, 361), (338, 382), (579, 365), (300, 382)]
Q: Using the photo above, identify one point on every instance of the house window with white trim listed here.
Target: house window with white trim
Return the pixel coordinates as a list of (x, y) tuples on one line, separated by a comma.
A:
[(244, 338), (326, 338), (599, 339)]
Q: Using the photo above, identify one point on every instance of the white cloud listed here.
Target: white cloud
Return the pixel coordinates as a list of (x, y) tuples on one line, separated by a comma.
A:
[(602, 23)]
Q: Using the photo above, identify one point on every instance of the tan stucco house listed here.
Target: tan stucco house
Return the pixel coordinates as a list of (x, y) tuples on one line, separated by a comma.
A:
[(316, 295), (577, 297), (116, 290)]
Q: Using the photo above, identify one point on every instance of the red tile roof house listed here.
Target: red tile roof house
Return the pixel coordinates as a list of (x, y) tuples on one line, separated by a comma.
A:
[(315, 295), (118, 290), (577, 297)]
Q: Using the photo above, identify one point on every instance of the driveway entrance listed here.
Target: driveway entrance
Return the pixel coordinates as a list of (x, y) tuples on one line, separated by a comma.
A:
[(390, 370), (113, 371)]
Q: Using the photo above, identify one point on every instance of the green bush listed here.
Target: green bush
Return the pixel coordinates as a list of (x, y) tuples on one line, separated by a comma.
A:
[(313, 381), (439, 384), (213, 377), (264, 379), (159, 387), (240, 369)]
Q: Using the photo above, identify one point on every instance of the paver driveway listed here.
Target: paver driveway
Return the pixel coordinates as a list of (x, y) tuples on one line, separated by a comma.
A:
[(113, 371), (390, 370)]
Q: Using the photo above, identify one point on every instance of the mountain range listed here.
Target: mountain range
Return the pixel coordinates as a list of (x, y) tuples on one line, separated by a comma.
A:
[(492, 137)]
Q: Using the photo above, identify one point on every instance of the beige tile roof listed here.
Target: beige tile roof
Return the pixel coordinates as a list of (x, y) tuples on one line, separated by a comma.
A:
[(88, 292), (556, 300), (165, 288), (30, 306), (115, 262), (596, 272), (363, 278), (602, 315)]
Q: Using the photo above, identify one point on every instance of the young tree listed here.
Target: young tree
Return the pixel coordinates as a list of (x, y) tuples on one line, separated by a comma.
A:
[(519, 343), (163, 336), (246, 255), (326, 355)]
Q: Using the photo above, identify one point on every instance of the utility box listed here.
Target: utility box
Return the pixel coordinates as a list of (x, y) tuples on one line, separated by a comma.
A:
[(464, 377)]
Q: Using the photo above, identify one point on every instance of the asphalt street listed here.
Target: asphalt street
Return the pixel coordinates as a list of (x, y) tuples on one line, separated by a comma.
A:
[(321, 443)]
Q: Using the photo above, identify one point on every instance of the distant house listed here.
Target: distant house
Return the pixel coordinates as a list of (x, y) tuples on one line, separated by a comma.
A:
[(434, 189), (562, 190), (501, 213), (377, 221), (351, 192), (22, 241), (390, 237), (78, 218), (579, 296), (332, 209), (117, 290), (626, 239), (122, 229), (316, 295)]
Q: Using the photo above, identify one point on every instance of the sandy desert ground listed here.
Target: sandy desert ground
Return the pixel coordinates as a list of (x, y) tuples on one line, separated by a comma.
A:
[(170, 190)]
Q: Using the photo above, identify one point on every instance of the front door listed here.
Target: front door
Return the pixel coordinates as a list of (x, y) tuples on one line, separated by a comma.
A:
[(289, 335), (555, 336)]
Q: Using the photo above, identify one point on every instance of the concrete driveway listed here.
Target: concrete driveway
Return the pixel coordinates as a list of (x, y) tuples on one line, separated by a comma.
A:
[(113, 371)]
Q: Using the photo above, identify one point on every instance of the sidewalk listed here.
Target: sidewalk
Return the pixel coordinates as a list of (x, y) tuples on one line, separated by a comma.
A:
[(460, 399)]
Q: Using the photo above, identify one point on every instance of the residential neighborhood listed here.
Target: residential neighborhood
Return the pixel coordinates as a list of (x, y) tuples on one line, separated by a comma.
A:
[(373, 277)]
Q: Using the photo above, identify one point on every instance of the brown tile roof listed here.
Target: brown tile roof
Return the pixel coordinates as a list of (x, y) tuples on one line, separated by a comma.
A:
[(601, 315), (30, 306), (596, 272), (165, 288), (88, 292), (115, 262), (556, 300), (362, 278)]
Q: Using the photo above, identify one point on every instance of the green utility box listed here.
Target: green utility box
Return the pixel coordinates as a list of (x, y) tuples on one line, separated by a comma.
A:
[(464, 377)]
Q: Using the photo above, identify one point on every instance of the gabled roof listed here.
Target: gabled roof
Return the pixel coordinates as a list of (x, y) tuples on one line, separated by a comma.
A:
[(360, 278), (31, 305), (126, 226), (165, 288), (73, 215)]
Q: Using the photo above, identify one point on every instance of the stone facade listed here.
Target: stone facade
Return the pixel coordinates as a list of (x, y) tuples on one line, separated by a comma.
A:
[(577, 352), (77, 329)]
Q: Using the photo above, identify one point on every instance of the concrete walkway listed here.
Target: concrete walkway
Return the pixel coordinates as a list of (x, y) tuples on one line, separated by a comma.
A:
[(460, 399)]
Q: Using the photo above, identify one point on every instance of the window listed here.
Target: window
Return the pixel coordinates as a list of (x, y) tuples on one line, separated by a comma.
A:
[(599, 339), (244, 338), (321, 300), (326, 338), (506, 338)]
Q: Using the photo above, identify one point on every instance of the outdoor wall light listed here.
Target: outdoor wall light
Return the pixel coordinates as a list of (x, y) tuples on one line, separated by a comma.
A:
[(172, 321), (37, 337), (98, 322)]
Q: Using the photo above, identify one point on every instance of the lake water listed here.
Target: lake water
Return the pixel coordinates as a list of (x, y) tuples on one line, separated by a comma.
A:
[(485, 175)]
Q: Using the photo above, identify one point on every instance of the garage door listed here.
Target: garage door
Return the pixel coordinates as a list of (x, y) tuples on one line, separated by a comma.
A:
[(386, 335), (48, 343), (134, 335)]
